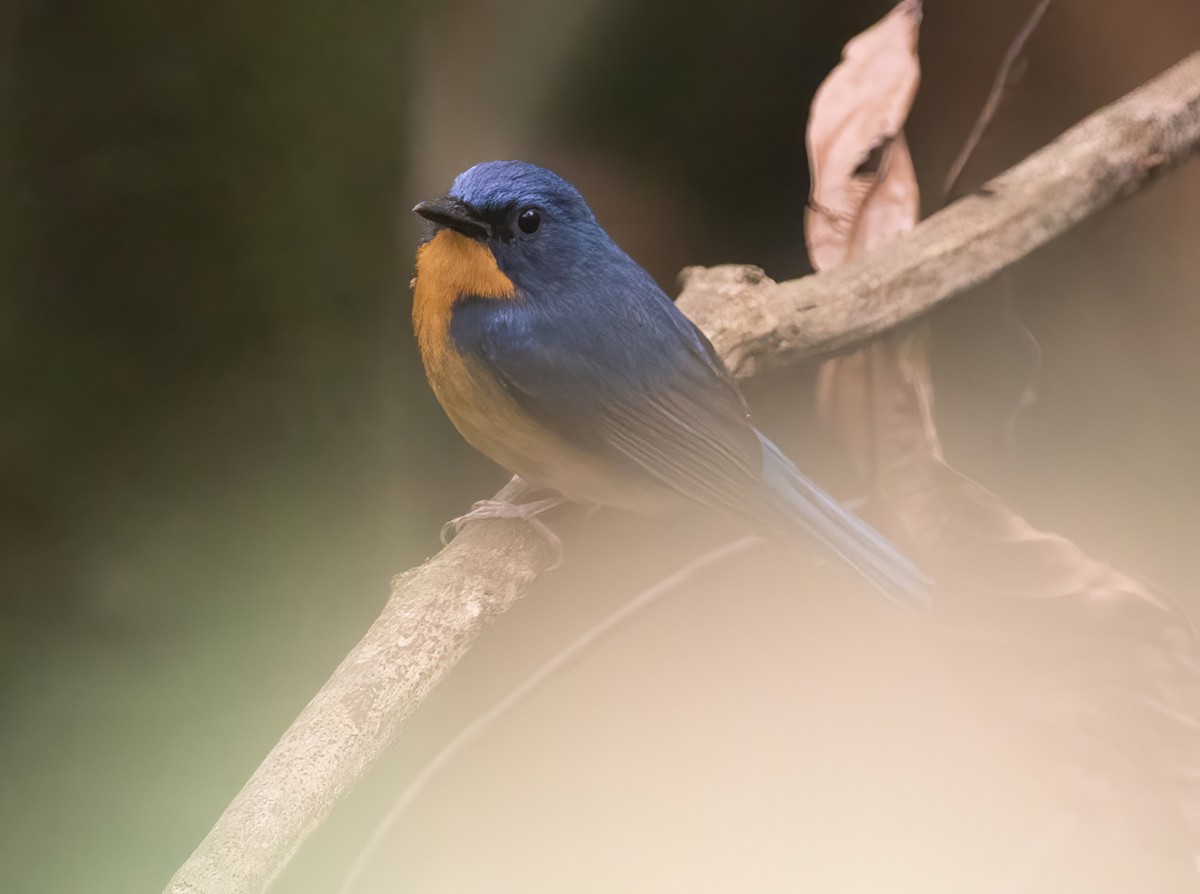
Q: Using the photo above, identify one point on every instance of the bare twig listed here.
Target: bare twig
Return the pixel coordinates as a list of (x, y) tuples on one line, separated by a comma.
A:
[(987, 114), (433, 615), (437, 609), (758, 324), (471, 733), (993, 97)]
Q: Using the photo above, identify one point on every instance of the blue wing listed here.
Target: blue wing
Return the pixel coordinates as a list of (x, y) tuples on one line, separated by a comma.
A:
[(643, 389), (641, 385)]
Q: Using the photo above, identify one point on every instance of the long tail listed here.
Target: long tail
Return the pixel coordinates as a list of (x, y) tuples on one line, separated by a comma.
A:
[(801, 504)]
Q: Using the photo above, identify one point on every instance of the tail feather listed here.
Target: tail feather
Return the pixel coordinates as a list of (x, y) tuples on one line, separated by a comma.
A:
[(801, 504)]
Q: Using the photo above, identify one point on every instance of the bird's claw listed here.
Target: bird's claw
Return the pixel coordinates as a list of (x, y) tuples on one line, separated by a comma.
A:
[(502, 506)]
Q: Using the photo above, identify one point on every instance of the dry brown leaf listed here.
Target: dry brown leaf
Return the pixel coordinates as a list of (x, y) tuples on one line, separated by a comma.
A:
[(1105, 670), (858, 197), (864, 192)]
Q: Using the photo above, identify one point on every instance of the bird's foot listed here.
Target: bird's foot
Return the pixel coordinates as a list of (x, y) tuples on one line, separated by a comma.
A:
[(508, 503)]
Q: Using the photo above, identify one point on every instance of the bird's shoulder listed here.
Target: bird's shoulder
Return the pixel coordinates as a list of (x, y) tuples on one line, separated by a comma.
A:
[(621, 345), (612, 325), (627, 376)]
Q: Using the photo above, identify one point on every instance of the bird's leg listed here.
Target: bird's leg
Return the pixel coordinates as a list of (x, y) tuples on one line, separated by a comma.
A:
[(513, 502)]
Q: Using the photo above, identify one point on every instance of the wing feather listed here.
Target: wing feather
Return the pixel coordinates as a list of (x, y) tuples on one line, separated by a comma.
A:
[(655, 400)]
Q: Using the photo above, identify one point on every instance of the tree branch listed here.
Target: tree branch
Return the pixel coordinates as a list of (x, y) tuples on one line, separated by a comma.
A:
[(758, 324), (436, 610)]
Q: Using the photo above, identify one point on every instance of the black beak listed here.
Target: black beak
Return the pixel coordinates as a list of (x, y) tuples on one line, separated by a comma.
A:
[(450, 212)]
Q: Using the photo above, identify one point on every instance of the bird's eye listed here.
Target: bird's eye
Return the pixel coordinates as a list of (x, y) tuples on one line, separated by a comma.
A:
[(529, 220)]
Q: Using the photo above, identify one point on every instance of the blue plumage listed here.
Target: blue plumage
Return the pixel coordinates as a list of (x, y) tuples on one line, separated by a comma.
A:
[(610, 393)]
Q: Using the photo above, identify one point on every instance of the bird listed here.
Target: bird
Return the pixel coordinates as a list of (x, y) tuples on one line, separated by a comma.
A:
[(556, 355)]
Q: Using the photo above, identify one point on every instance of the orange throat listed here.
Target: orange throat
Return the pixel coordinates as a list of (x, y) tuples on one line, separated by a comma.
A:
[(450, 266)]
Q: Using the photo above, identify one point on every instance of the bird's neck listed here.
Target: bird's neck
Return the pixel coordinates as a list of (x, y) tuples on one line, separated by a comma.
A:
[(450, 268)]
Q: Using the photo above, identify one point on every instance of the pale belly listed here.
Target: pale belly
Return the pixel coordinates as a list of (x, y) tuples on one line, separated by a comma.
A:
[(493, 423)]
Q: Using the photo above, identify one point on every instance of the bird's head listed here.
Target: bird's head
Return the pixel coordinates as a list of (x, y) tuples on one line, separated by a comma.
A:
[(534, 223)]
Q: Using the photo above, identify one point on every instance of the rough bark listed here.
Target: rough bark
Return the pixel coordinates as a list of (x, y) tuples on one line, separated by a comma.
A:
[(758, 324), (436, 610)]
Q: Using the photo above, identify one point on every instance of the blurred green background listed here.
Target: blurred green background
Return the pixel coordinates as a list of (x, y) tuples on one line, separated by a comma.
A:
[(217, 444)]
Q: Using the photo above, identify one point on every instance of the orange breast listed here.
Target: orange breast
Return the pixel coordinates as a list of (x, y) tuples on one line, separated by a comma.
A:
[(449, 267)]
